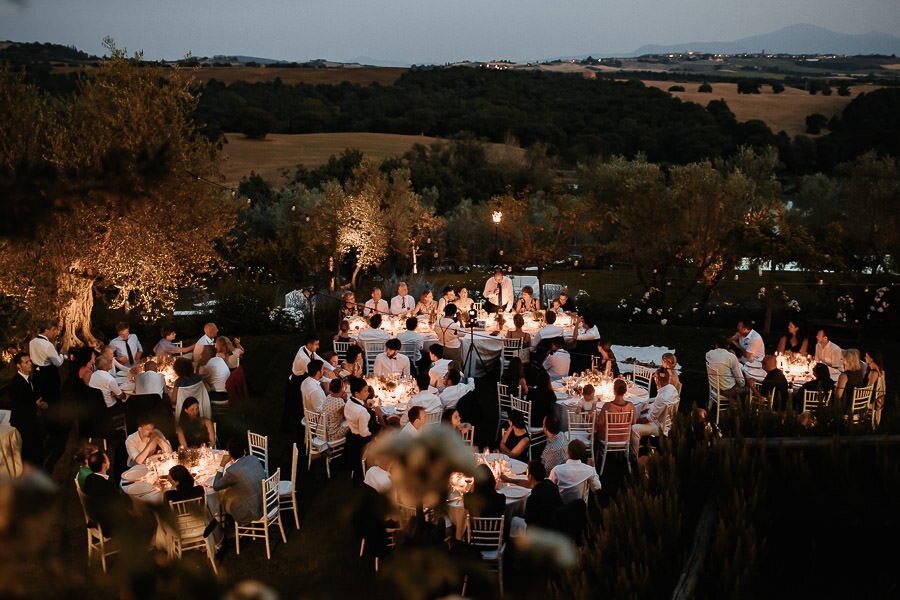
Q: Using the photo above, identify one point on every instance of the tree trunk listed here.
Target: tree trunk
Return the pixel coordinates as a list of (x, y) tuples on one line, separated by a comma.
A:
[(353, 278), (75, 295), (415, 265)]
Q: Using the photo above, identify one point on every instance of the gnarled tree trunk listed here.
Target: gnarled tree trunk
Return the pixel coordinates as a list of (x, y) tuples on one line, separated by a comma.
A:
[(76, 303)]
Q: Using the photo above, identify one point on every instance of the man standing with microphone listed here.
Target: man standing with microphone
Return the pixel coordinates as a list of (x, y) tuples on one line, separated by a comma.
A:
[(498, 293)]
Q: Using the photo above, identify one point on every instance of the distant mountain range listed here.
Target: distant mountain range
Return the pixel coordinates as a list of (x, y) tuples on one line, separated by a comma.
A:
[(794, 39)]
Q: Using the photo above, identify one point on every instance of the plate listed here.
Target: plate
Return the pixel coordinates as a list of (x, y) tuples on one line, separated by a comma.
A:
[(515, 491), (138, 489), (135, 473), (517, 467)]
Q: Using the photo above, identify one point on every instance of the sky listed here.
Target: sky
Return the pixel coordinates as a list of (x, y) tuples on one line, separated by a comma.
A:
[(420, 31)]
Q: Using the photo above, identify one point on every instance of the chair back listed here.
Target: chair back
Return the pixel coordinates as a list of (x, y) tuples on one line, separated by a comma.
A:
[(410, 350), (758, 402), (270, 496), (295, 454), (813, 399), (373, 349), (581, 426), (667, 417), (81, 499), (485, 533), (340, 348), (479, 308), (198, 391), (859, 404), (523, 406), (315, 429), (433, 418), (259, 447), (190, 520), (617, 431), (468, 435), (642, 376), (511, 349), (715, 393), (503, 405)]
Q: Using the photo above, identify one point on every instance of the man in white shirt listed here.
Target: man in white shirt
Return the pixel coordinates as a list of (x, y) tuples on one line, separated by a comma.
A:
[(378, 479), (439, 366), (652, 419), (311, 389), (498, 293), (570, 476), (411, 336), (402, 304), (374, 332), (145, 442), (426, 398), (358, 420), (558, 360), (449, 334), (306, 353), (454, 390), (827, 352), (448, 296), (126, 347), (215, 373), (391, 362), (151, 381), (728, 369), (210, 332), (102, 379), (46, 360), (750, 342), (376, 305), (548, 331), (416, 421)]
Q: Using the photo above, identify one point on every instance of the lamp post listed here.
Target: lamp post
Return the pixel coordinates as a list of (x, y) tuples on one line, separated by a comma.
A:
[(496, 217)]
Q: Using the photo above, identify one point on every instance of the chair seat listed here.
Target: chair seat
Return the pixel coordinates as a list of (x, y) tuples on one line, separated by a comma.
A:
[(534, 430), (285, 488), (578, 435), (492, 554)]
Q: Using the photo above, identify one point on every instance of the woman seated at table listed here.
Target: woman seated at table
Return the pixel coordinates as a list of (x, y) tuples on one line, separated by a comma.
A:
[(516, 332), (185, 486), (514, 378), (607, 363), (484, 501), (353, 362), (184, 376), (542, 398), (193, 430), (343, 334), (821, 384), (527, 302), (230, 352), (850, 379), (145, 442), (349, 307), (426, 304), (330, 357), (795, 341), (452, 418), (669, 362), (515, 440), (463, 302), (618, 405)]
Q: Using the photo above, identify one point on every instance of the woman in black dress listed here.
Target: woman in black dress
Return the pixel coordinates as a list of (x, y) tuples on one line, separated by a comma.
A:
[(192, 429), (795, 341)]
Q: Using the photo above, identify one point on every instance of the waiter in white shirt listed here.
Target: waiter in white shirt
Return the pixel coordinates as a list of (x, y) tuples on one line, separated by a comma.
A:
[(402, 304), (126, 347), (46, 360), (376, 304), (391, 362), (306, 353), (498, 293)]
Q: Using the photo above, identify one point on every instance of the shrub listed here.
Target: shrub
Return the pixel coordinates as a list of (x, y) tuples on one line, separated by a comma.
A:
[(676, 88), (777, 87), (748, 87), (705, 88), (815, 122)]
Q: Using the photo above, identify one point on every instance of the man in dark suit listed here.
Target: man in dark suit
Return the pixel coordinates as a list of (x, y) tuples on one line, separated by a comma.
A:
[(25, 404), (242, 483), (102, 497)]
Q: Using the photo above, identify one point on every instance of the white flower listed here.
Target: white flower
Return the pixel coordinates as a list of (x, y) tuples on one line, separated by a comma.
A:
[(649, 311), (881, 310), (659, 311), (646, 295), (663, 321), (695, 309)]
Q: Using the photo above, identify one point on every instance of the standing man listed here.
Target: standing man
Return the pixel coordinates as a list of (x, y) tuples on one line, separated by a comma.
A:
[(306, 353), (376, 305), (25, 405), (46, 360), (449, 334), (210, 331), (127, 349), (402, 304), (498, 293)]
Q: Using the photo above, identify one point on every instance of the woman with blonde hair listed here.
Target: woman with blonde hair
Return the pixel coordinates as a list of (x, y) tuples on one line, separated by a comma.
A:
[(850, 379), (669, 362), (230, 352)]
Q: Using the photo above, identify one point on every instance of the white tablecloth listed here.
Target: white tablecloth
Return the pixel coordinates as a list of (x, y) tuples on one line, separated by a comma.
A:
[(10, 451), (642, 354)]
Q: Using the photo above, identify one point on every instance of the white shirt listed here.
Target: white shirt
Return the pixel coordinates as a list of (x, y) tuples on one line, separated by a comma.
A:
[(448, 333), (427, 400), (134, 445), (591, 334), (666, 396), (408, 428), (829, 354), (569, 478), (217, 370), (451, 395), (380, 308), (437, 371), (357, 418), (442, 304), (753, 346), (546, 332), (385, 365), (401, 305), (557, 364), (378, 479), (372, 335), (204, 340), (727, 368), (149, 382), (409, 337), (106, 383), (119, 347), (492, 294), (43, 353), (302, 358), (313, 395)]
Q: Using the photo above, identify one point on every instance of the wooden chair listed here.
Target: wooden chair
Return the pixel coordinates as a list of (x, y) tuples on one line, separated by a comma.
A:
[(287, 490), (96, 540), (715, 394), (486, 536), (618, 425), (469, 435), (642, 376), (536, 434), (760, 403), (271, 516), (259, 447), (191, 519), (860, 404), (813, 400)]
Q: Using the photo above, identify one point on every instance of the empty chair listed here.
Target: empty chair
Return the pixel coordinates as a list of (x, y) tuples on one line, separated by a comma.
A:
[(642, 376), (271, 516), (259, 447)]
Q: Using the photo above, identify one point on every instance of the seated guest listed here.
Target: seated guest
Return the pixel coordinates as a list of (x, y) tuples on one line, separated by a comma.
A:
[(588, 399), (101, 379), (451, 418), (542, 398), (426, 304), (570, 476), (558, 360), (215, 372), (517, 332), (827, 352), (585, 329), (330, 357), (439, 366), (145, 442), (727, 368), (821, 384), (184, 373), (875, 378), (185, 486), (795, 341), (652, 418), (103, 503), (150, 381), (193, 430), (618, 405), (376, 305), (775, 380), (449, 334), (374, 332), (307, 352), (851, 378), (448, 297), (669, 362), (402, 304), (126, 347), (547, 332), (463, 303), (334, 409), (311, 391), (527, 303), (484, 501), (608, 363), (363, 422), (353, 362), (239, 479), (555, 449), (566, 304), (349, 308), (391, 362), (454, 390), (416, 415), (343, 334), (544, 498), (514, 378), (411, 336), (426, 398), (514, 440), (229, 351), (166, 346), (749, 344)]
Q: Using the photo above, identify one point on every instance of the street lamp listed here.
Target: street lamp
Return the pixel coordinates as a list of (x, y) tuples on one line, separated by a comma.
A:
[(496, 217)]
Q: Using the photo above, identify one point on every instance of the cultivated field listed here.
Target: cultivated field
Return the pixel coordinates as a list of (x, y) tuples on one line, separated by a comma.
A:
[(329, 76), (280, 152), (786, 111)]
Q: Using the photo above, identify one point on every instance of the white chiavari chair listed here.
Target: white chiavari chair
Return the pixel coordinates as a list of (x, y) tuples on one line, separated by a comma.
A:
[(511, 349), (468, 435), (410, 350), (581, 427), (535, 434), (191, 519), (271, 516), (642, 376), (373, 349), (486, 536), (319, 443), (433, 418), (340, 348), (813, 400), (287, 490), (503, 405), (716, 397), (259, 447), (616, 437)]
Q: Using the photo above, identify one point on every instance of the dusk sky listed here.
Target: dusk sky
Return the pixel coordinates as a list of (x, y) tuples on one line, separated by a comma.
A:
[(416, 31)]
